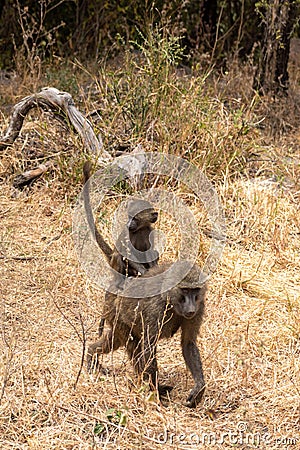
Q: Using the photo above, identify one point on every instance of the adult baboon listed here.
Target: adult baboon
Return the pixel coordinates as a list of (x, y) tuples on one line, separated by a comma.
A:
[(134, 240), (138, 324)]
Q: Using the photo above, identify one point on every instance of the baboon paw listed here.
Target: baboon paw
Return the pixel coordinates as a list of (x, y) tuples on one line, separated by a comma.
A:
[(190, 404), (195, 397), (164, 389)]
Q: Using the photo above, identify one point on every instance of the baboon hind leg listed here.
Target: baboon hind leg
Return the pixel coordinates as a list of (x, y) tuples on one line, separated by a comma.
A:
[(109, 342), (101, 327), (145, 364)]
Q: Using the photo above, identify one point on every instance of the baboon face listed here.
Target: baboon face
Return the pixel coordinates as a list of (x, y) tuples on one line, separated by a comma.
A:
[(142, 219), (187, 302), (140, 215)]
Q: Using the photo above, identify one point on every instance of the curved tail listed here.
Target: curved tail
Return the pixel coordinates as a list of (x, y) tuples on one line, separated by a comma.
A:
[(104, 246)]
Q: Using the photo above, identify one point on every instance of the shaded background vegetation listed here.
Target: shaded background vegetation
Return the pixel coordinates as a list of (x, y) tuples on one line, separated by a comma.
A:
[(215, 28)]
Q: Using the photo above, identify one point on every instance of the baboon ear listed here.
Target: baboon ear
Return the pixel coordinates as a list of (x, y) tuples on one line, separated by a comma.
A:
[(154, 217)]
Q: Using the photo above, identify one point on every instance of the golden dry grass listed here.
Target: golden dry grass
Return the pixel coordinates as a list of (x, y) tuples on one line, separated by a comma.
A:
[(250, 338)]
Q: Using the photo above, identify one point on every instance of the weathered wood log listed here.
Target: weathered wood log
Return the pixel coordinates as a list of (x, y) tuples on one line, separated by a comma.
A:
[(27, 177), (62, 106), (55, 101)]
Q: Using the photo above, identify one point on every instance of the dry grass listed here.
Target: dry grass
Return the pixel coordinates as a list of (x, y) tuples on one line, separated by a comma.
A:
[(250, 339)]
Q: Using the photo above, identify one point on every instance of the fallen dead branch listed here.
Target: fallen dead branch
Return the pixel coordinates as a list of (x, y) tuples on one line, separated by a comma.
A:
[(55, 101), (62, 106), (20, 258), (27, 177)]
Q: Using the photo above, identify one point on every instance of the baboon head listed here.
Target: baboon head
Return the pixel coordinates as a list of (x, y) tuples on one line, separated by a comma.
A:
[(141, 214), (188, 295), (186, 302)]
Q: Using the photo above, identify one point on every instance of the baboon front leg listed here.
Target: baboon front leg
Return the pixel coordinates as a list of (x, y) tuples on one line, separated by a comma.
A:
[(193, 361), (106, 344)]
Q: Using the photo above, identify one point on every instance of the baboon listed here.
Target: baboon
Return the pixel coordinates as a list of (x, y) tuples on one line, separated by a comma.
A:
[(138, 324), (133, 240), (141, 216)]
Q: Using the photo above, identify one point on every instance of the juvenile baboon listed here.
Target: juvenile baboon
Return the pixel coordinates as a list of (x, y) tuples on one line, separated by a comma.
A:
[(134, 240), (141, 216), (138, 324)]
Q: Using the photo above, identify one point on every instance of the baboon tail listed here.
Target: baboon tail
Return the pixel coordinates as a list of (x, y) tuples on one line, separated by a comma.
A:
[(104, 246)]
